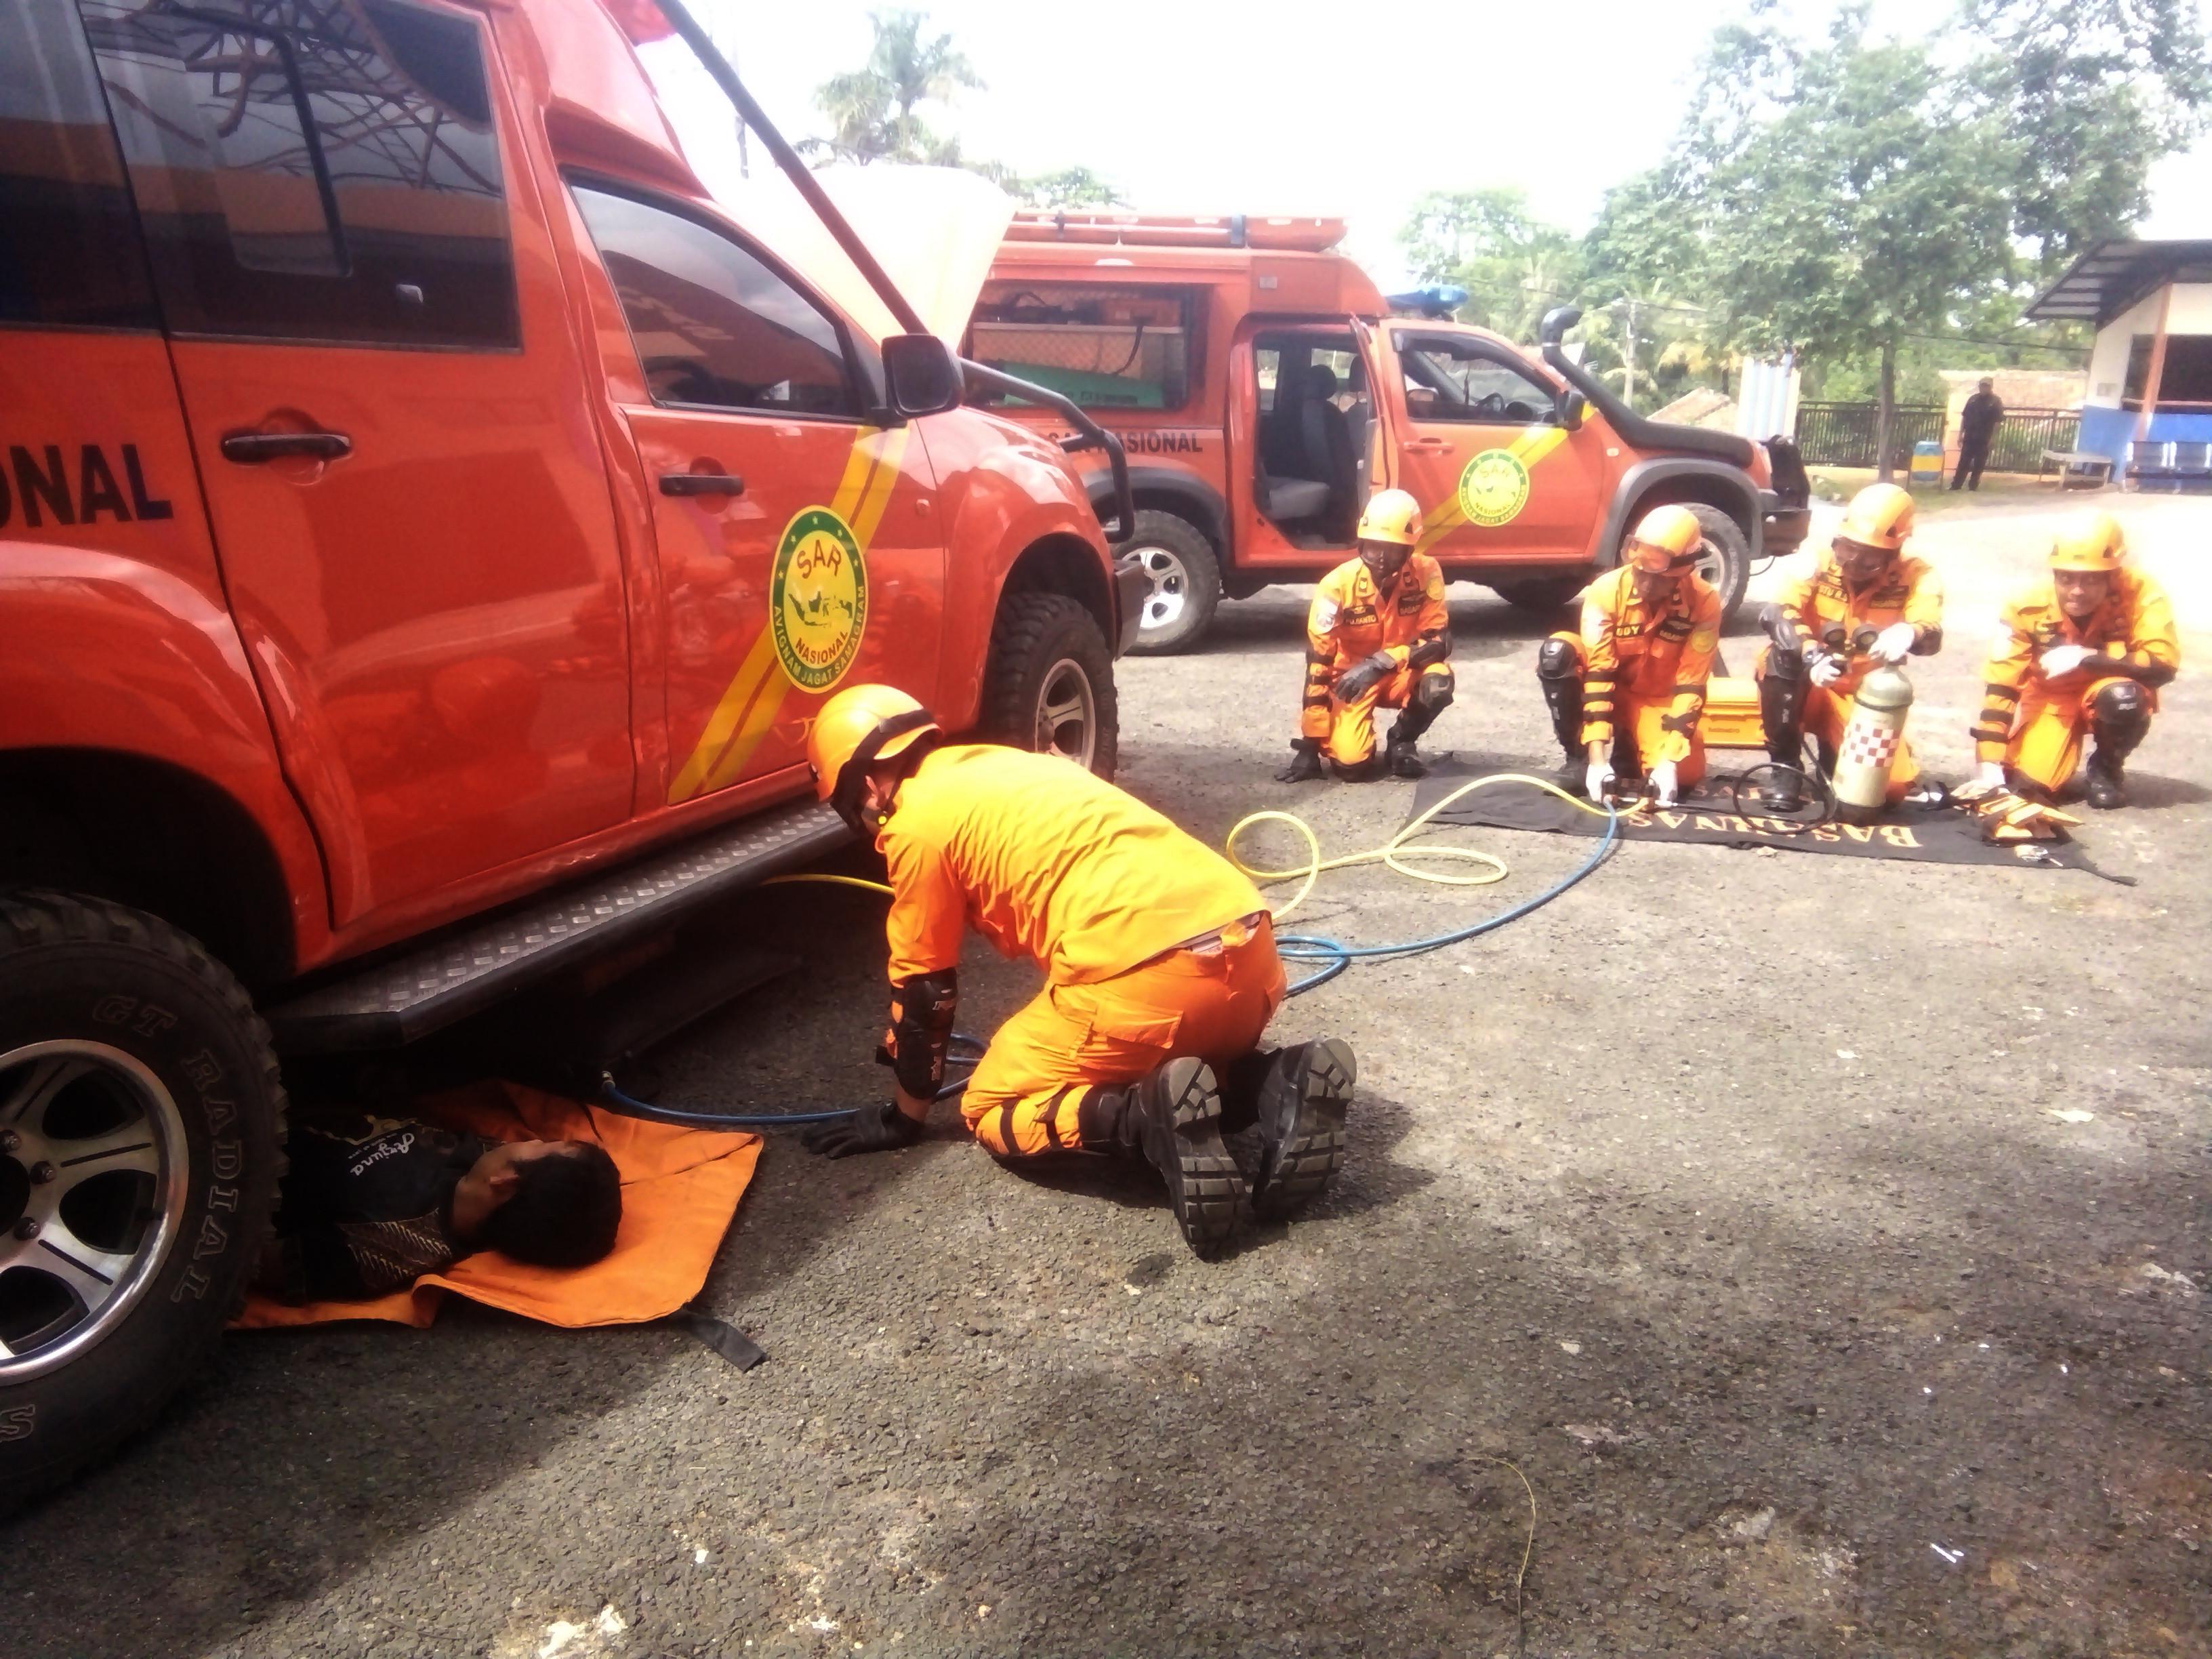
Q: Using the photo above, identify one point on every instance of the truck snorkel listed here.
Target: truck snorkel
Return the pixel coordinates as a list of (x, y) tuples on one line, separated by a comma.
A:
[(1663, 437), (1089, 434)]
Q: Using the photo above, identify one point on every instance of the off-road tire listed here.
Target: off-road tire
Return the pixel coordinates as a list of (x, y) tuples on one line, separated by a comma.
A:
[(1730, 549), (1197, 582), (81, 971), (1542, 596), (1039, 643)]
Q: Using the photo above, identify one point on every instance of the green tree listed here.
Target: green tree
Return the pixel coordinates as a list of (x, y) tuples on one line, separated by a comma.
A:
[(1066, 187), (873, 109), (2090, 93), (1854, 197), (1514, 266)]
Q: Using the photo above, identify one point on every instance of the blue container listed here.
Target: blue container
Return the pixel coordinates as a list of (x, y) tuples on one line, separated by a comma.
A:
[(1928, 461)]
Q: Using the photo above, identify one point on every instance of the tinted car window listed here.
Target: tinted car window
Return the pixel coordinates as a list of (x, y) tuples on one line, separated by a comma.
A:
[(714, 325), (69, 246), (313, 172), (1449, 378), (1105, 347)]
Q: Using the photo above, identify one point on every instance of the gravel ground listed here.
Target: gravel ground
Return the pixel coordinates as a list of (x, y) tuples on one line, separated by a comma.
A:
[(1824, 1241)]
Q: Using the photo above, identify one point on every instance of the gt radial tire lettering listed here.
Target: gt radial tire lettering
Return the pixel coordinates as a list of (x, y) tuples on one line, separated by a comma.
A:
[(18, 1422)]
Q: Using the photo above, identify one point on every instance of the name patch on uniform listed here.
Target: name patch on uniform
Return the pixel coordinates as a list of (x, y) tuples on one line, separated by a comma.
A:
[(1493, 488), (817, 599)]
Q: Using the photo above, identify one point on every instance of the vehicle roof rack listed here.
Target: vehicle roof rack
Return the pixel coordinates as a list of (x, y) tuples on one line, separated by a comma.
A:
[(1273, 232)]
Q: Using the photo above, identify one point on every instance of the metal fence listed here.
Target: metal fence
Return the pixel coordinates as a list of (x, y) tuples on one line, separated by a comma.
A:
[(2025, 434), (1842, 435)]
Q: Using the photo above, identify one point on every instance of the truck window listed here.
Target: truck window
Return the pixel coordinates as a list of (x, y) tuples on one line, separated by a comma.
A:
[(714, 326), (70, 254), (314, 173), (1448, 378), (1104, 347)]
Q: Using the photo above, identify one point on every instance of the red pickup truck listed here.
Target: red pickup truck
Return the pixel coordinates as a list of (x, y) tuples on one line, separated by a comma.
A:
[(427, 523)]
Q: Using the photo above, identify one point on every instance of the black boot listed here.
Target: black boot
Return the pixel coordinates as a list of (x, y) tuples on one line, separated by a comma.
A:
[(2107, 782), (1172, 1119), (1400, 754), (1302, 1105)]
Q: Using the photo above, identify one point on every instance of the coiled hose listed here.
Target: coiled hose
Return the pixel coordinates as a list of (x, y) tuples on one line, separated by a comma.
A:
[(1294, 947)]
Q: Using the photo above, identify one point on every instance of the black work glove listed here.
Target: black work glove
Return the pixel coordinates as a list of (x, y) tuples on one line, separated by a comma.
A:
[(880, 1127), (1305, 763), (1359, 679)]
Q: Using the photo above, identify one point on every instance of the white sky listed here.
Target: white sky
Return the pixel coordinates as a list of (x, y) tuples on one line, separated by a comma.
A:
[(1196, 106)]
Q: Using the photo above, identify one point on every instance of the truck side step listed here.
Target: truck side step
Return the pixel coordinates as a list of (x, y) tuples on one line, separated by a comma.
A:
[(459, 972)]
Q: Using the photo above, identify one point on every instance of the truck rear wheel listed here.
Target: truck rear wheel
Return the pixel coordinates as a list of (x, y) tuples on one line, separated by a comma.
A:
[(1186, 583), (1725, 560), (1049, 685), (141, 1123)]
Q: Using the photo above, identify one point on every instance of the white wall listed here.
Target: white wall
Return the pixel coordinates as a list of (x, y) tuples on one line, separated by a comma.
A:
[(2108, 362)]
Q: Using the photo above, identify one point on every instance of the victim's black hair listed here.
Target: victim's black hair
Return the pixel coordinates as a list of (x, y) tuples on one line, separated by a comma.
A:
[(565, 1211)]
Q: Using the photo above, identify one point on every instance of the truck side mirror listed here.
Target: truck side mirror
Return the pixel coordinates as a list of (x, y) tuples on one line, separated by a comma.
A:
[(1557, 322), (1571, 409), (921, 376)]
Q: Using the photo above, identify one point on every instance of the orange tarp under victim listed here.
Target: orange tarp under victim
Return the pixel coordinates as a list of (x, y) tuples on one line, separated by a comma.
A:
[(680, 1192)]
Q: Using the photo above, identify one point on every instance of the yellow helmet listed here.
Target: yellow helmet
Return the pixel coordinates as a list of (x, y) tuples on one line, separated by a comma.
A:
[(1667, 539), (2089, 540), (858, 726), (1392, 515), (1880, 515)]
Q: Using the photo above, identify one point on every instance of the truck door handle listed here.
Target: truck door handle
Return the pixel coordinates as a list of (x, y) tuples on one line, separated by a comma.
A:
[(702, 483), (251, 448), (1426, 445)]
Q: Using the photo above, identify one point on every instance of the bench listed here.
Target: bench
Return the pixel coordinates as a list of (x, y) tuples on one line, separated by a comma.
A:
[(2082, 469), (2171, 464)]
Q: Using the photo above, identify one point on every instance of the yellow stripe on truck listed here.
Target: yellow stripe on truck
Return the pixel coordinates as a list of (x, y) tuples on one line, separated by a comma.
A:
[(747, 710), (1534, 444)]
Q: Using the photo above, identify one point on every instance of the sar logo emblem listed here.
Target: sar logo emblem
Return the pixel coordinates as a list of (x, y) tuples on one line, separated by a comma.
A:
[(1493, 488), (817, 599)]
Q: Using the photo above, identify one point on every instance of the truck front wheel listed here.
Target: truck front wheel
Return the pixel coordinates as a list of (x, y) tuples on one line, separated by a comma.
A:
[(1049, 685), (1725, 560), (141, 1123), (1185, 581)]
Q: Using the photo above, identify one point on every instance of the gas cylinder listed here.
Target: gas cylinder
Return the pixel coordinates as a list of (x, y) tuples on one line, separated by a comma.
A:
[(1868, 750)]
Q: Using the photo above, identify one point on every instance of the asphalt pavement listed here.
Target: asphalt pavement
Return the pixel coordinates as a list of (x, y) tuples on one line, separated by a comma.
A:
[(1823, 1242)]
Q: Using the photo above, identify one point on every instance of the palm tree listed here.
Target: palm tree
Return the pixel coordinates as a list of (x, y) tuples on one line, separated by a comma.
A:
[(873, 109)]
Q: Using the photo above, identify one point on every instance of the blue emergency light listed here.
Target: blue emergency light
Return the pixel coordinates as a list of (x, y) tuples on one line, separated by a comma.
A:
[(1438, 301)]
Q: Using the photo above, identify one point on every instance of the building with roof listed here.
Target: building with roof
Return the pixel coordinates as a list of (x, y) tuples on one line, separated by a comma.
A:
[(2150, 372)]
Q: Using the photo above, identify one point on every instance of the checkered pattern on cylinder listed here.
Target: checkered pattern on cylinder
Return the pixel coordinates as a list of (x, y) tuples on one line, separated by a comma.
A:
[(1868, 744)]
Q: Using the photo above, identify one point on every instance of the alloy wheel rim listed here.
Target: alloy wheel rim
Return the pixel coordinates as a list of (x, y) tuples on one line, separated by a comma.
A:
[(1068, 713), (93, 1162), (1168, 594)]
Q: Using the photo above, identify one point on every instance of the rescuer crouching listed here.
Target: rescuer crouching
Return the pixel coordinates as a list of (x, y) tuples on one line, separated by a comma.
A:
[(1160, 970), (1867, 601), (1627, 690), (2080, 653), (1377, 637)]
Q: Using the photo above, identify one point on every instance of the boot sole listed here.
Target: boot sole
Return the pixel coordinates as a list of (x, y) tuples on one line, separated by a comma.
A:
[(1206, 1187), (1302, 1117)]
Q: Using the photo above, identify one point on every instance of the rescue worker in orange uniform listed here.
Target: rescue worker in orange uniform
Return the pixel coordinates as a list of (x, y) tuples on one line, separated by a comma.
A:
[(1377, 637), (1867, 601), (1159, 960), (2080, 653), (1627, 692)]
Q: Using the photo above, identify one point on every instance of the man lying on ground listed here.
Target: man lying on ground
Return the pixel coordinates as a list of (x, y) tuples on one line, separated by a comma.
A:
[(371, 1204)]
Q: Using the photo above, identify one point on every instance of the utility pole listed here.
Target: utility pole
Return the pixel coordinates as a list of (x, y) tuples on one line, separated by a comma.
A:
[(1628, 386)]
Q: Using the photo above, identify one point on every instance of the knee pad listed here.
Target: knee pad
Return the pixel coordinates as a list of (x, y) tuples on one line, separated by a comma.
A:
[(1432, 693), (1558, 659), (2123, 706)]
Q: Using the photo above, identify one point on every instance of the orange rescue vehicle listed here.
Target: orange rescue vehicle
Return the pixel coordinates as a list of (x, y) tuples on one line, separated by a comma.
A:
[(428, 522), (1263, 389)]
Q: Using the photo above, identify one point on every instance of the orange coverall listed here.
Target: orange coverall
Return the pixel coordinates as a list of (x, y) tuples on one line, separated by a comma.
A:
[(1821, 604), (2036, 725), (1644, 669), (1152, 944), (1352, 620)]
